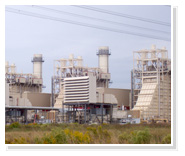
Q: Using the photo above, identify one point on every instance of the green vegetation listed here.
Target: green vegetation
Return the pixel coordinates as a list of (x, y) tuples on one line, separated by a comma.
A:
[(167, 139), (88, 134)]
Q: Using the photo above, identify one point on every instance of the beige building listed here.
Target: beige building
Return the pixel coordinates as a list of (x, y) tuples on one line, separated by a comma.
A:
[(38, 99), (122, 95)]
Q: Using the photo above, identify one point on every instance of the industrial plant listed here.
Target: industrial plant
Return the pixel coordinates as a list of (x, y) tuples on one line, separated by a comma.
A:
[(81, 94)]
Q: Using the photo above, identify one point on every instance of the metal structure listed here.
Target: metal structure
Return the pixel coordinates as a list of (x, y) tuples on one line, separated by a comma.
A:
[(20, 113), (75, 95), (83, 103), (88, 113), (73, 67), (151, 83), (19, 82), (74, 89)]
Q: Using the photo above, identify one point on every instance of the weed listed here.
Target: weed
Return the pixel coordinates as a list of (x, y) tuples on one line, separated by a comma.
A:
[(84, 134), (167, 139), (20, 140), (37, 141), (93, 130), (124, 138), (15, 125), (100, 135), (141, 137)]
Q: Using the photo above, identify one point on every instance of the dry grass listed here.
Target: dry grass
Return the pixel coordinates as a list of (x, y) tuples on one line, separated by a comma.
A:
[(88, 134)]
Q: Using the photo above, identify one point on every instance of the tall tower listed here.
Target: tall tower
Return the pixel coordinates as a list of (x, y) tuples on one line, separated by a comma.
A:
[(103, 64), (37, 65)]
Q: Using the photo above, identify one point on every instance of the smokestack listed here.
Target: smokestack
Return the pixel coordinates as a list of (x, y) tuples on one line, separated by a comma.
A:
[(103, 57), (37, 65)]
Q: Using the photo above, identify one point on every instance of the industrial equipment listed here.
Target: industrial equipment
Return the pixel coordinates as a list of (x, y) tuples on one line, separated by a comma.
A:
[(151, 83)]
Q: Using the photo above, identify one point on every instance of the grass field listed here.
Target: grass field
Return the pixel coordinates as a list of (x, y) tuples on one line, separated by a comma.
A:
[(88, 134)]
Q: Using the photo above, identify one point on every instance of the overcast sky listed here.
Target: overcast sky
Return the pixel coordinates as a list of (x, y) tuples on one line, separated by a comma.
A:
[(26, 36)]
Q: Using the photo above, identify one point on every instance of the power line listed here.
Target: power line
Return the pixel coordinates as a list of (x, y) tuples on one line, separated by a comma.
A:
[(98, 19), (122, 15), (81, 24)]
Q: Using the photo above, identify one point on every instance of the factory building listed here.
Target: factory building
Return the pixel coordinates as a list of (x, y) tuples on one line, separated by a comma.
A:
[(73, 68), (19, 85), (76, 86), (23, 92), (82, 94)]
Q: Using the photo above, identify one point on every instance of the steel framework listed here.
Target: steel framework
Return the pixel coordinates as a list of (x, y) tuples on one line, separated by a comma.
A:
[(151, 83)]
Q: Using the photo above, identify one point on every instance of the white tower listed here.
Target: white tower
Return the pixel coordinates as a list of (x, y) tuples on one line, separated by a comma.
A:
[(103, 64), (103, 56), (37, 65)]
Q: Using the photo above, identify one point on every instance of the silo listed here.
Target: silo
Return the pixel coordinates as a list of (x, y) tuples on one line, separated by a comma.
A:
[(37, 65), (103, 56)]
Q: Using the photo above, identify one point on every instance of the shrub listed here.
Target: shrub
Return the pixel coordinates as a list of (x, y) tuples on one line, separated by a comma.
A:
[(124, 138), (156, 137), (93, 130), (100, 129), (15, 125), (61, 138), (141, 137), (167, 139), (44, 126), (57, 136), (77, 137), (48, 139), (8, 141), (32, 125), (99, 135), (20, 140), (87, 138), (87, 134), (37, 141), (107, 137)]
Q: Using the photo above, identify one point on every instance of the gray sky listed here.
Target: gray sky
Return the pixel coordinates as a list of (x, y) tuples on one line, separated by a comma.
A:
[(27, 35)]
